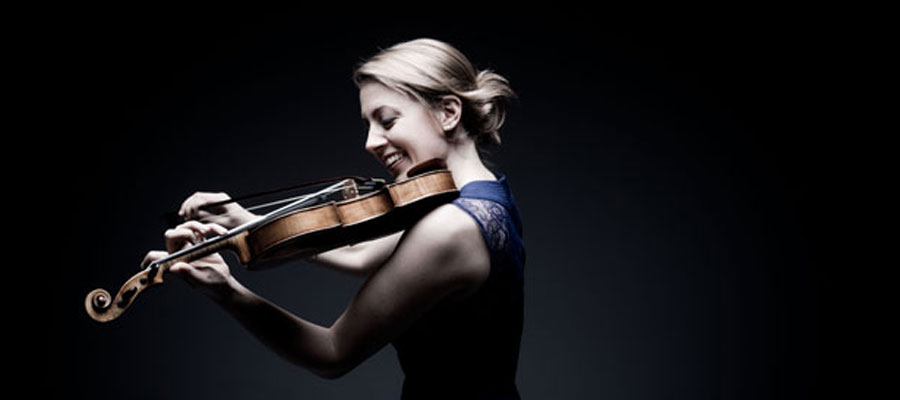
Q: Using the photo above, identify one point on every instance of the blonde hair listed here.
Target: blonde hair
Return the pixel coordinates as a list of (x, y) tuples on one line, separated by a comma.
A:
[(427, 69)]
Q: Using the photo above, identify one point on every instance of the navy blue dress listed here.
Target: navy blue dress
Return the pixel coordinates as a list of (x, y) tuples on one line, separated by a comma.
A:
[(470, 349)]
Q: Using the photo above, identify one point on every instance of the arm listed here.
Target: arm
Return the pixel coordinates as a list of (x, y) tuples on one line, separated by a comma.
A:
[(441, 255), (361, 258)]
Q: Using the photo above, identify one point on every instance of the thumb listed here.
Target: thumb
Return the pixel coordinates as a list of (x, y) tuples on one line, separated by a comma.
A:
[(182, 270)]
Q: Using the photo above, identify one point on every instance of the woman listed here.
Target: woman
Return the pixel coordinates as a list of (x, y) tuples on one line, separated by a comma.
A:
[(447, 292)]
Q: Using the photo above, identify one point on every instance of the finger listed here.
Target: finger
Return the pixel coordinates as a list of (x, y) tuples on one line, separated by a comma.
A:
[(203, 215), (178, 238), (185, 211), (184, 271), (179, 268), (191, 225), (217, 215), (194, 205), (191, 205), (191, 233), (215, 228), (152, 256), (212, 227), (204, 229)]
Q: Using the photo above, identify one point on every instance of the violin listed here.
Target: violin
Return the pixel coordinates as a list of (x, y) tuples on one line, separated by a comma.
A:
[(300, 229)]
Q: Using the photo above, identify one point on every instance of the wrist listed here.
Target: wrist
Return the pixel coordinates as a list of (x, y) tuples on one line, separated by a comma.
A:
[(228, 293)]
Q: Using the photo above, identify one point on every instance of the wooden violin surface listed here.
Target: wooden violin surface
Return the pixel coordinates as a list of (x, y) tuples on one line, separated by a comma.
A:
[(291, 233)]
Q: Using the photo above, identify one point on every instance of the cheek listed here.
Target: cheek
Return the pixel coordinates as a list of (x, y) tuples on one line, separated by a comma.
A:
[(433, 147), (421, 138)]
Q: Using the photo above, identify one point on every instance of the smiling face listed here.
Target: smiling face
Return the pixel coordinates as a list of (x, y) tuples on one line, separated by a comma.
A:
[(402, 132)]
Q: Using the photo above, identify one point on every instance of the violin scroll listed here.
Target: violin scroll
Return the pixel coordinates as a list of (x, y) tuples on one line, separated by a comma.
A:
[(98, 301), (102, 307)]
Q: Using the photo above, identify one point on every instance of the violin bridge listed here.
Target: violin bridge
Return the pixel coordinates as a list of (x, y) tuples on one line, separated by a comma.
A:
[(350, 190)]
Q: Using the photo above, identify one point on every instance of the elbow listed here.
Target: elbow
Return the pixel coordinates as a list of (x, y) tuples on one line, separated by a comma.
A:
[(331, 372), (334, 366), (337, 360)]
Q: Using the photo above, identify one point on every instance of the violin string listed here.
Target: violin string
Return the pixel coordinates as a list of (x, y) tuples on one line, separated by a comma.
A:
[(271, 215), (288, 208), (355, 178), (274, 203), (304, 199), (289, 199)]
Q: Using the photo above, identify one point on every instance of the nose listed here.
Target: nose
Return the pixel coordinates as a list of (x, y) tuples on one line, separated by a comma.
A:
[(375, 140)]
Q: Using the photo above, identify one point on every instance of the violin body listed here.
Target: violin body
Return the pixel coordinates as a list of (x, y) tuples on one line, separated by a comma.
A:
[(299, 233), (328, 226)]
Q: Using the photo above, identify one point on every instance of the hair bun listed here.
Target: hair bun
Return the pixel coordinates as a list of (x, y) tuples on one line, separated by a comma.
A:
[(426, 68), (490, 98)]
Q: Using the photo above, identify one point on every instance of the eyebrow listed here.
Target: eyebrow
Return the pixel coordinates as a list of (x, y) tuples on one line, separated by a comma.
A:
[(375, 111)]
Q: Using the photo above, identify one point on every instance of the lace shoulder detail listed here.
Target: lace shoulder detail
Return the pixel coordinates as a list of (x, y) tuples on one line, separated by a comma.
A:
[(492, 218)]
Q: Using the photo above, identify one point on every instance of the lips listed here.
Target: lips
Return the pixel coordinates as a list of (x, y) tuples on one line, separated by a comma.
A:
[(391, 160)]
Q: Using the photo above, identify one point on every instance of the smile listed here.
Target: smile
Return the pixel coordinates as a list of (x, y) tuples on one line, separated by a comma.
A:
[(392, 159)]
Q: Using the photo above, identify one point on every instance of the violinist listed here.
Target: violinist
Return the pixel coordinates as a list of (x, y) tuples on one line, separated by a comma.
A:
[(447, 291)]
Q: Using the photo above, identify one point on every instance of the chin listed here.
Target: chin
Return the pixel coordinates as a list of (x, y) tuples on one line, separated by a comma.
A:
[(403, 171)]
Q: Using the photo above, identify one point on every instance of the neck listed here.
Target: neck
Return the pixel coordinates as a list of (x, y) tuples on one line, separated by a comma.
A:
[(465, 164)]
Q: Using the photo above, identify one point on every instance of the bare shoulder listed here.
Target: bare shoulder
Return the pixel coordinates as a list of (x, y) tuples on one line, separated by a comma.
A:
[(440, 258), (455, 239)]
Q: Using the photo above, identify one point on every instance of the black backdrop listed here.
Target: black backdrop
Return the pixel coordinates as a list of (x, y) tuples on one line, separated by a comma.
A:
[(668, 177)]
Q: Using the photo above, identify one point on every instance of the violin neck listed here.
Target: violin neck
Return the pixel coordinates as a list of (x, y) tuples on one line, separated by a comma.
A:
[(233, 241)]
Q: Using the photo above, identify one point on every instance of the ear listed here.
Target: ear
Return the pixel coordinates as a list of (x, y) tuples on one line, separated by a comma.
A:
[(449, 112)]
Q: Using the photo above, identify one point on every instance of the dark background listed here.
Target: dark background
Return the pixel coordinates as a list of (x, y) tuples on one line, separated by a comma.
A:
[(672, 180)]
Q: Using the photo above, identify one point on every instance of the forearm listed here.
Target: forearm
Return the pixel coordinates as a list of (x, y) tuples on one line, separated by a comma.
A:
[(361, 258), (300, 342)]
